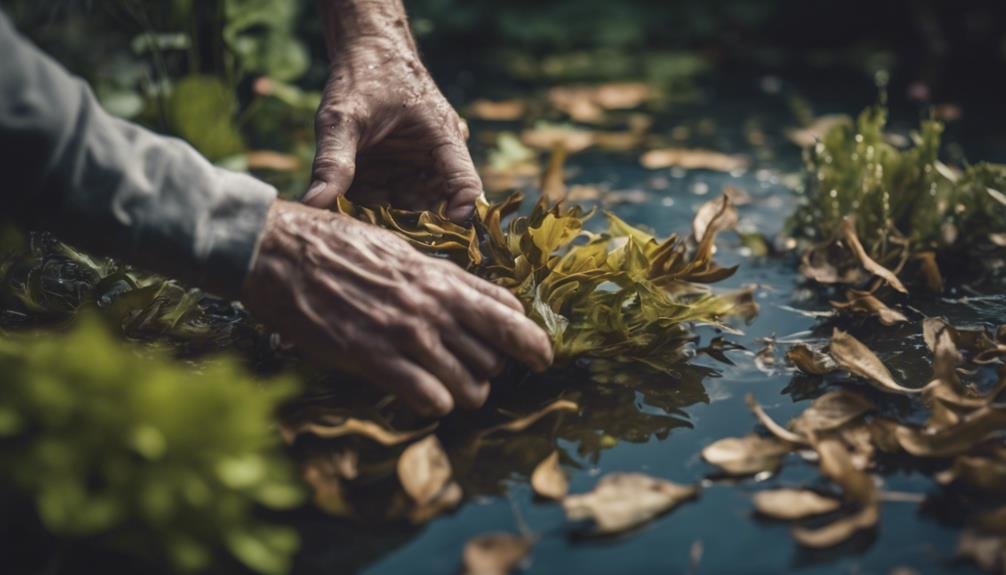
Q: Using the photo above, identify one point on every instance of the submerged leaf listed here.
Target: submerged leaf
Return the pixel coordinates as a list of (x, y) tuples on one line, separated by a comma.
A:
[(621, 501), (495, 553)]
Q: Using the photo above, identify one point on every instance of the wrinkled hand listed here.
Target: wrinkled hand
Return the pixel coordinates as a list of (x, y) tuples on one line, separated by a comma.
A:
[(384, 131), (356, 297)]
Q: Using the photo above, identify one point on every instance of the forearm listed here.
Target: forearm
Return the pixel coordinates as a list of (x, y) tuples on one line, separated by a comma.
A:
[(114, 187), (348, 22)]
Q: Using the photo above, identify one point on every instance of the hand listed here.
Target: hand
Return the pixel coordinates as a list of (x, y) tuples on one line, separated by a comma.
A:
[(384, 131), (356, 297)]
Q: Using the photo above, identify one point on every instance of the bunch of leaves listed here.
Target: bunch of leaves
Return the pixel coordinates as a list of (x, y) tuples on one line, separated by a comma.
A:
[(621, 296), (962, 436), (45, 281), (876, 212), (128, 450)]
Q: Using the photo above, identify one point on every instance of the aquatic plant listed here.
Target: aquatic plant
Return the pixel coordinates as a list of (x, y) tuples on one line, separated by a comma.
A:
[(873, 210)]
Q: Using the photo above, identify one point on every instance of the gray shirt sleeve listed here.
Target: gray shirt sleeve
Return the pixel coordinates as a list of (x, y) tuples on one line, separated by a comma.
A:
[(114, 187)]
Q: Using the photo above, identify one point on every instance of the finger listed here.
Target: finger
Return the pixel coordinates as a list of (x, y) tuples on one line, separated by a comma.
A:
[(510, 331), (480, 358), (429, 352), (337, 135), (417, 388), (487, 288), (453, 164)]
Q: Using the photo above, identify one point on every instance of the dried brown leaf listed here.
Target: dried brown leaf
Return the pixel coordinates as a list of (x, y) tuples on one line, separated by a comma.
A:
[(693, 159), (548, 479), (773, 427), (352, 426), (863, 302), (495, 553), (810, 360), (522, 423), (621, 501), (424, 469), (746, 455), (868, 263), (500, 110), (792, 504), (837, 531), (930, 271), (850, 354), (718, 213), (831, 411), (958, 439)]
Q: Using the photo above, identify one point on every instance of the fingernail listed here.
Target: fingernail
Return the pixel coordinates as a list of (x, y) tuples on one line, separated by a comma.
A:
[(313, 191)]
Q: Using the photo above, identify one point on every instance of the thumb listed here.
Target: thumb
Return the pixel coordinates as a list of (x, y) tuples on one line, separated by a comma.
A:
[(336, 136)]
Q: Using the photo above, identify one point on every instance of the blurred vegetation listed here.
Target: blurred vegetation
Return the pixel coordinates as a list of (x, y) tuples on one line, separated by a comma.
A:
[(127, 449)]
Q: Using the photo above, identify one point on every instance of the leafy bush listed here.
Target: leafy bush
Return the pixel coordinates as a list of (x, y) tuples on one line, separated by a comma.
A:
[(124, 447)]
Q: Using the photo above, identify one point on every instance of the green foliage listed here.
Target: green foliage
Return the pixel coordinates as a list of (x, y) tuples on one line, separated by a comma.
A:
[(889, 192), (138, 453), (201, 109)]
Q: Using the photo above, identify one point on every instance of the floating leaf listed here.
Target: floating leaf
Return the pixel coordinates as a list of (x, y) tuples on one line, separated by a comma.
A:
[(746, 455), (810, 360), (522, 423), (424, 470), (495, 553), (497, 109), (954, 440), (831, 411), (548, 479), (693, 159), (837, 531), (622, 501), (791, 504), (773, 427), (850, 354), (863, 302), (352, 426)]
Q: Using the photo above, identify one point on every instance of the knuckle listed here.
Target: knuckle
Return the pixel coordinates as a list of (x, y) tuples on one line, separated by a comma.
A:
[(329, 117)]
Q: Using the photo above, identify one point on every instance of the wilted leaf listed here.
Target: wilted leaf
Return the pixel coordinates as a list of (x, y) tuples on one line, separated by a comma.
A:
[(831, 411), (495, 553), (972, 429), (352, 426), (522, 423), (548, 479), (810, 360), (693, 159), (447, 498), (864, 302), (930, 271), (791, 504), (852, 240), (838, 530), (746, 455), (773, 427), (621, 501), (850, 354), (718, 213), (424, 470)]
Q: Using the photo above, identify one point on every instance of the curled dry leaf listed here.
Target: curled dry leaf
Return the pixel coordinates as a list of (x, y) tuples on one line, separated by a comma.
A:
[(792, 504), (621, 501), (867, 303), (522, 423), (424, 470), (837, 531), (770, 424), (352, 426), (548, 479), (447, 498), (851, 355), (495, 553), (693, 159), (810, 360), (831, 411), (746, 455), (868, 263), (957, 439), (715, 215), (836, 464)]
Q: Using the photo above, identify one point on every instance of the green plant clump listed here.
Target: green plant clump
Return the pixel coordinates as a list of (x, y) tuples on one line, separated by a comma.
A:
[(122, 447), (898, 198)]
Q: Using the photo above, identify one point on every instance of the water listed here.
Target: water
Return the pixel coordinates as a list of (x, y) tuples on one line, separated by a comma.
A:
[(659, 428)]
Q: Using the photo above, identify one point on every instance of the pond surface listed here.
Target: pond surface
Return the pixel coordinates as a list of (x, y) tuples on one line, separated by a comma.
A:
[(660, 427)]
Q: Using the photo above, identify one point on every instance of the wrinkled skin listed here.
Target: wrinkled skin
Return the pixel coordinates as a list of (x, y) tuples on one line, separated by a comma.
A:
[(355, 297), (384, 131)]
